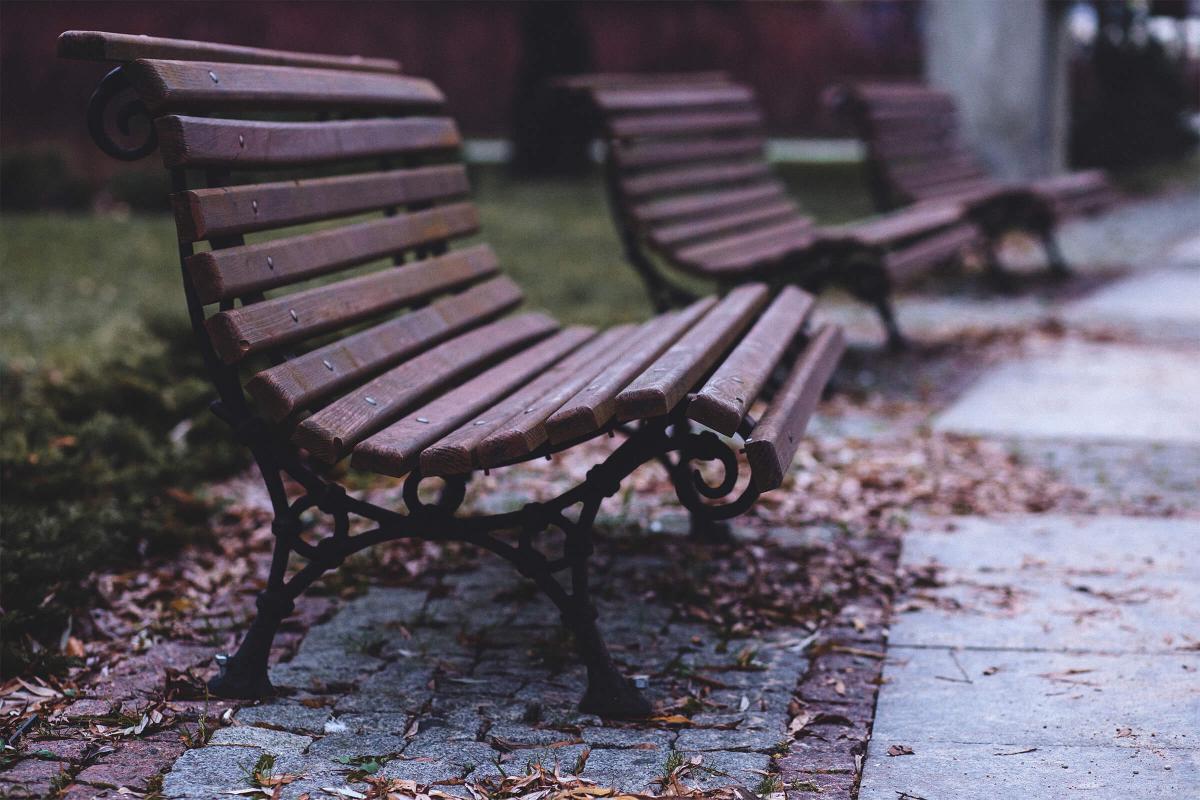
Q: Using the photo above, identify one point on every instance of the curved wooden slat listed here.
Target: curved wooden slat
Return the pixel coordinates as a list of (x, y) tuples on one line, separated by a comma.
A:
[(689, 123), (656, 98), (656, 153), (208, 213), (101, 46), (396, 448), (333, 431), (749, 251), (241, 332), (773, 442), (695, 178), (459, 451), (192, 86), (673, 374), (236, 271), (305, 380), (710, 203), (726, 396), (243, 144), (670, 236)]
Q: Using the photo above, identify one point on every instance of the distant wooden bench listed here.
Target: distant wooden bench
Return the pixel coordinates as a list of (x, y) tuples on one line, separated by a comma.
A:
[(690, 189), (915, 155), (413, 368)]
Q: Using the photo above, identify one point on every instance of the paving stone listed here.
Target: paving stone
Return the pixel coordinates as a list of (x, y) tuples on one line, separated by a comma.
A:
[(355, 745), (627, 770), (1088, 391), (642, 738), (132, 764), (277, 742), (468, 755), (423, 770), (509, 736), (1037, 699), (34, 773), (725, 768), (208, 772), (989, 772), (293, 717), (450, 723), (54, 749), (387, 722), (749, 736), (1163, 305)]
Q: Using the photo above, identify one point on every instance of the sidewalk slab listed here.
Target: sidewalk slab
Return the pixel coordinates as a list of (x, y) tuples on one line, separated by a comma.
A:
[(1163, 305), (1086, 391)]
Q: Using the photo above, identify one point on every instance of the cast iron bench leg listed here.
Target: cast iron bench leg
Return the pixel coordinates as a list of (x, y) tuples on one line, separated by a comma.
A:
[(1055, 262)]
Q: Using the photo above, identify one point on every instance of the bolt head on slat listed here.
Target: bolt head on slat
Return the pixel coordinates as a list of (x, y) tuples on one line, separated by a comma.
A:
[(371, 401), (270, 263), (214, 77), (422, 420), (295, 316), (327, 364)]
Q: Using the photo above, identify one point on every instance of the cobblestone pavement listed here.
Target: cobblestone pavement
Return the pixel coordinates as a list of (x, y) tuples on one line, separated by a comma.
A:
[(471, 677)]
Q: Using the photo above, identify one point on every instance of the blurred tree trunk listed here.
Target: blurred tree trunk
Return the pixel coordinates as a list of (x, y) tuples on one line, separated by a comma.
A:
[(551, 130)]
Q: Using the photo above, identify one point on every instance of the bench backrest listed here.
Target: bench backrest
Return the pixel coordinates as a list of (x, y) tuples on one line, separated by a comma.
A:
[(686, 166), (316, 204), (911, 132)]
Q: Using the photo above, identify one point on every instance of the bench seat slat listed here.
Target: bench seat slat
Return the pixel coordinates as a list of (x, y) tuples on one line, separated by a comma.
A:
[(244, 144), (395, 449), (710, 203), (669, 236), (458, 452), (896, 226), (594, 406), (307, 379), (776, 437), (208, 213), (726, 396), (690, 123), (102, 46), (211, 85), (332, 432), (651, 154), (241, 332), (751, 250), (903, 263), (659, 97), (695, 178), (673, 374), (236, 271)]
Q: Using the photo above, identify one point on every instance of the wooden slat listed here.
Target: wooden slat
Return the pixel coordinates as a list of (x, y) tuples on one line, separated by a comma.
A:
[(192, 86), (887, 229), (668, 236), (303, 381), (694, 178), (458, 452), (776, 437), (236, 271), (710, 203), (396, 448), (656, 98), (243, 144), (726, 396), (240, 332), (333, 431), (601, 80), (595, 405), (673, 374), (676, 123), (656, 153), (904, 263), (123, 47), (749, 251), (208, 213)]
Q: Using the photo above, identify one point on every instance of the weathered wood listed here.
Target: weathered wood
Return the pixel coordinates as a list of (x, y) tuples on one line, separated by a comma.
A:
[(776, 437), (208, 213), (709, 203), (752, 250), (695, 178), (896, 226), (192, 86), (612, 80), (652, 153), (245, 144), (332, 432), (656, 98), (459, 451), (595, 405), (676, 372), (307, 379), (685, 123), (123, 47), (237, 271), (241, 332), (395, 449), (903, 263), (670, 236), (726, 396)]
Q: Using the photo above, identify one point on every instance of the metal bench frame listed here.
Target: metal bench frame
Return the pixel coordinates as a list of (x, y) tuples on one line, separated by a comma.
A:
[(669, 440)]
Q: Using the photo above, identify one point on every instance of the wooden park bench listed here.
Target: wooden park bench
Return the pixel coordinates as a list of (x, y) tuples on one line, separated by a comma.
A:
[(690, 189), (414, 368), (915, 155)]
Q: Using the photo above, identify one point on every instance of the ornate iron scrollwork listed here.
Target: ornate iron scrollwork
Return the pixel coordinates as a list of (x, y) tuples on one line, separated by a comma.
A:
[(113, 109)]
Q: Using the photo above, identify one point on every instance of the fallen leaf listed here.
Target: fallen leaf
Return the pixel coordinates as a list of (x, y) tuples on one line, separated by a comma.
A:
[(900, 750)]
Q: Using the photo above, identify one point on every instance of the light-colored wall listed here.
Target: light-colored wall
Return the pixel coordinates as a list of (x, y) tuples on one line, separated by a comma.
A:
[(1006, 62)]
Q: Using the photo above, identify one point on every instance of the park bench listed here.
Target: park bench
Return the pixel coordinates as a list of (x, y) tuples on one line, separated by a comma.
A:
[(915, 155), (690, 188), (414, 368)]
